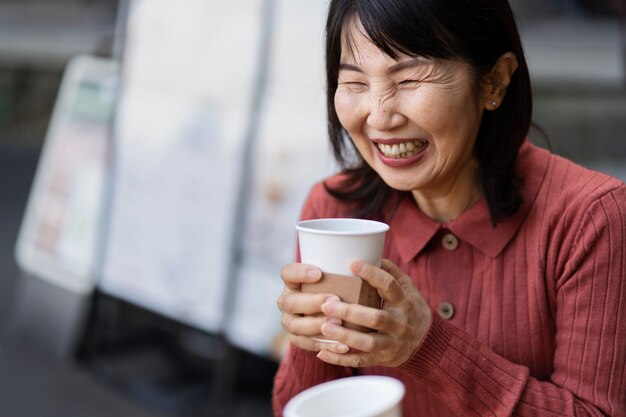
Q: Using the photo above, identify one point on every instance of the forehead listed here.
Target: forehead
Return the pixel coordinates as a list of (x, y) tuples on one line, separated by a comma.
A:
[(357, 47)]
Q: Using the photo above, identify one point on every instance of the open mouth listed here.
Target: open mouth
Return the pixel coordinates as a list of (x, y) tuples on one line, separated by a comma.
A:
[(403, 149)]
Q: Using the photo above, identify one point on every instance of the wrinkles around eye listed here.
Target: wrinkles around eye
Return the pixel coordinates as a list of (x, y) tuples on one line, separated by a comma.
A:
[(353, 83), (353, 86), (361, 86)]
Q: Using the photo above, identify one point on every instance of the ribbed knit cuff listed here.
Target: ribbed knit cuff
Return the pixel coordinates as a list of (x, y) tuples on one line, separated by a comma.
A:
[(430, 351), (299, 356), (304, 369), (469, 375)]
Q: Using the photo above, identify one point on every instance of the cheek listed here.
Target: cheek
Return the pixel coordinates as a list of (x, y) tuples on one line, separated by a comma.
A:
[(436, 106), (444, 114), (346, 105)]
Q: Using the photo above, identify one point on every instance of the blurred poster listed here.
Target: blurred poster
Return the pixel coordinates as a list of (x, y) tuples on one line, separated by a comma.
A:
[(291, 153), (60, 232), (189, 70)]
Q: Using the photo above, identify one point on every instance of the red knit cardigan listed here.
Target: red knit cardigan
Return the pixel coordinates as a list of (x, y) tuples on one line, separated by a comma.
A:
[(535, 308)]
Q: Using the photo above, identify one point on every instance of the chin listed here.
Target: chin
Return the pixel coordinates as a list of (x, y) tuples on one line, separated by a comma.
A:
[(399, 184)]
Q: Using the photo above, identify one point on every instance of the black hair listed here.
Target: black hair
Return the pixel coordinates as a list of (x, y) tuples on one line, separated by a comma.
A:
[(477, 32)]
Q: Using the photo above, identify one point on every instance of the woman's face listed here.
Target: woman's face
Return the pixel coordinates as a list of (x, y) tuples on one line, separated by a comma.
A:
[(413, 120)]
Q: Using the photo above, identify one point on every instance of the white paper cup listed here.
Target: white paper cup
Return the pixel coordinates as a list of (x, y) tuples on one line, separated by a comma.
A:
[(333, 244), (358, 396)]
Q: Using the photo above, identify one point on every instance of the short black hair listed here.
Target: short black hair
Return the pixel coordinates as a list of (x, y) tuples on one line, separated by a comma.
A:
[(477, 32)]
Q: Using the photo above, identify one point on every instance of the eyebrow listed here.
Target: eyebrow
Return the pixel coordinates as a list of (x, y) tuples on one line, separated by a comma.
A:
[(416, 62)]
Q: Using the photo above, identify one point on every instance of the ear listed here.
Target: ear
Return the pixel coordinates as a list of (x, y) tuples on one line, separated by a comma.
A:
[(494, 84)]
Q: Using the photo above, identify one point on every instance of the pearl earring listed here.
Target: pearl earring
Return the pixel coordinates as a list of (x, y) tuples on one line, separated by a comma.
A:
[(494, 103)]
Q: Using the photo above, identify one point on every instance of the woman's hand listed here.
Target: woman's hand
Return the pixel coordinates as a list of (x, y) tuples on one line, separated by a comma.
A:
[(400, 325), (302, 316)]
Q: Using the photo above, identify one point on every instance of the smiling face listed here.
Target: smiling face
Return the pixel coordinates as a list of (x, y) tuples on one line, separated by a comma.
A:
[(413, 120)]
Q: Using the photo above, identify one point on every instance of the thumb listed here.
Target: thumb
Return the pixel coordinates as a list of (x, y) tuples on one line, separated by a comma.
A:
[(402, 278)]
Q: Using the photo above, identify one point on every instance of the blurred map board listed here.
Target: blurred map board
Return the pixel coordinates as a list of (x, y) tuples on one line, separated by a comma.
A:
[(188, 72), (59, 237), (291, 153)]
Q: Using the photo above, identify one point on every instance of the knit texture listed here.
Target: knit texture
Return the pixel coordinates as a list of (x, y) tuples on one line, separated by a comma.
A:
[(539, 323)]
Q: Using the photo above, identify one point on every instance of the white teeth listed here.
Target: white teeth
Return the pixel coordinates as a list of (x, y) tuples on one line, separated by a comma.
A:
[(402, 150)]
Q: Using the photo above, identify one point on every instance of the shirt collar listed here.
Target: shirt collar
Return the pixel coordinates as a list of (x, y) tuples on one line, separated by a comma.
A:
[(412, 229)]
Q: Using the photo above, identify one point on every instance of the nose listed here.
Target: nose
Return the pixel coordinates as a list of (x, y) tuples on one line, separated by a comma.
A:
[(383, 115)]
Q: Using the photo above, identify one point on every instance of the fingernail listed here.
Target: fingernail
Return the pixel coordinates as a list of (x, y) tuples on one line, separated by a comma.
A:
[(357, 266), (332, 299), (334, 320), (324, 328), (314, 273), (342, 348), (329, 306)]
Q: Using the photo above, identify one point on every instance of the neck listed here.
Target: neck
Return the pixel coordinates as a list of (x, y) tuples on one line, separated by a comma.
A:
[(451, 200)]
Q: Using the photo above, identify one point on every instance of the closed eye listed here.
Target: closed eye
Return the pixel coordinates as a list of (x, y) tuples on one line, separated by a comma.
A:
[(354, 86), (408, 82)]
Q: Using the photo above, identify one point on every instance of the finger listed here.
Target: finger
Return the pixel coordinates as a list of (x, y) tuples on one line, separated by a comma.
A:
[(372, 318), (396, 272), (363, 342), (333, 346), (296, 274), (303, 342), (387, 285), (301, 303), (302, 326), (306, 343), (352, 360)]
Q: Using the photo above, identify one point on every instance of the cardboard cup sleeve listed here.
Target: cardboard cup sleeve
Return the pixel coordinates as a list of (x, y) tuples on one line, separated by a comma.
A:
[(349, 289)]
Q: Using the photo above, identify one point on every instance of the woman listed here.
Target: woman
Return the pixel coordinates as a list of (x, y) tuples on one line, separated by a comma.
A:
[(504, 290)]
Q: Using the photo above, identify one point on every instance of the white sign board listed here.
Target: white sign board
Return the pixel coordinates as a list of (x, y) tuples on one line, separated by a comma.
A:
[(189, 72), (60, 232), (292, 152)]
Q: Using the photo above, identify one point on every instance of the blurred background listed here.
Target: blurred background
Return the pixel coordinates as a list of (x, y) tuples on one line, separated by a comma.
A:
[(153, 161)]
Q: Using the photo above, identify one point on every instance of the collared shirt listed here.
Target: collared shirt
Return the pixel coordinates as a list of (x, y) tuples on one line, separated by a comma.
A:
[(529, 317), (474, 226)]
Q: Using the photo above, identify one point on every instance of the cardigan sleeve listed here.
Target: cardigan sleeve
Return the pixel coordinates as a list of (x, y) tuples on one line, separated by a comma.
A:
[(300, 369), (589, 364)]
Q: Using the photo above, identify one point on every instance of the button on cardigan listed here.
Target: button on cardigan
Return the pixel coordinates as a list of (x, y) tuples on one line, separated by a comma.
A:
[(539, 323)]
